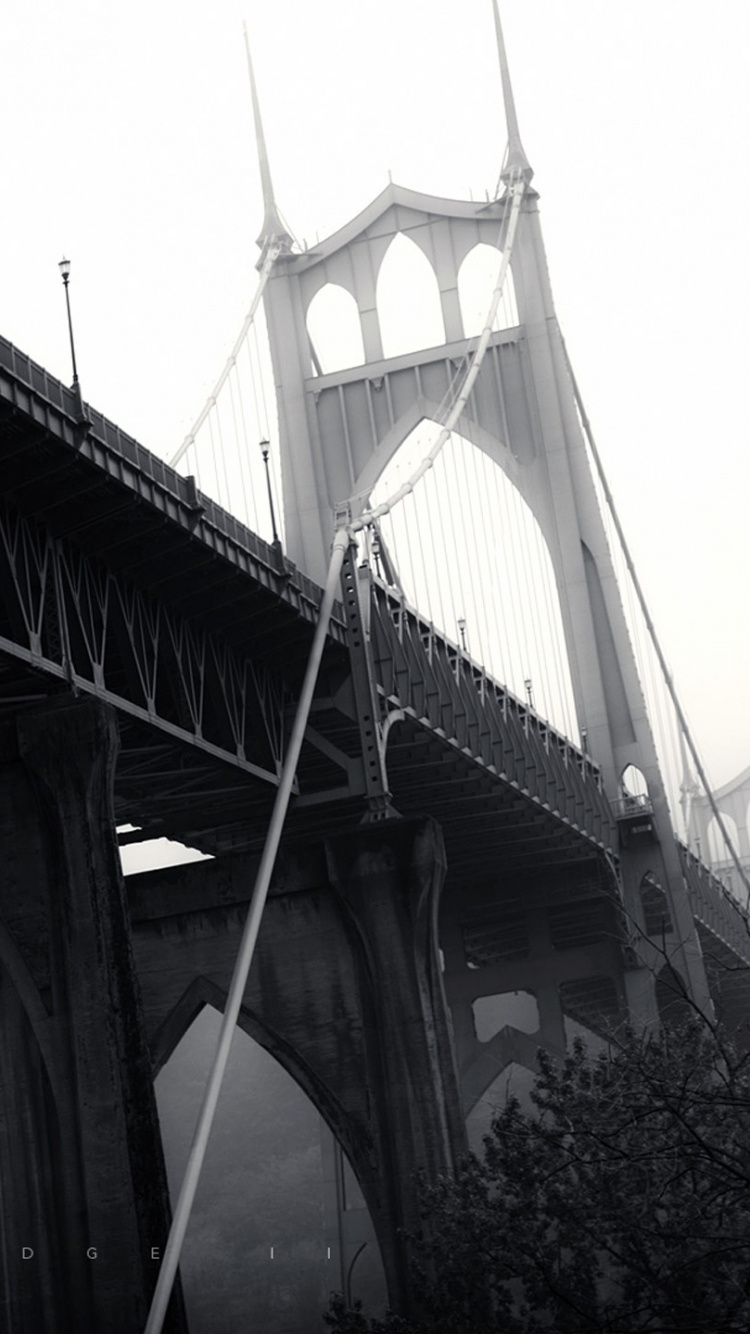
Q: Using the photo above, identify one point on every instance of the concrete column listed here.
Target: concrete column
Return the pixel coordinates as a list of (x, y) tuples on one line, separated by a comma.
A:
[(388, 877), (79, 1140)]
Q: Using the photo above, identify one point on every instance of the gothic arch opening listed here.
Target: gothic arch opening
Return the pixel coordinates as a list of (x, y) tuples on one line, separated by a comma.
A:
[(717, 850), (477, 277), (278, 1217), (408, 300), (634, 785), (334, 329), (469, 554)]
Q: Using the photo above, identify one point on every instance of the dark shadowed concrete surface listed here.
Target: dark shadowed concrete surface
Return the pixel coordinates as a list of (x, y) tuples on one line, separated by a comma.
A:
[(84, 1187)]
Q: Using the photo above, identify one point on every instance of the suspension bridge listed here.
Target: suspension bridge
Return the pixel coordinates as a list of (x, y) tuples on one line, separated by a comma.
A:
[(423, 728)]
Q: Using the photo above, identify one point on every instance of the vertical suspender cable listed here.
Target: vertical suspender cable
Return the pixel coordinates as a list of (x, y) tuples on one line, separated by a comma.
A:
[(433, 549), (266, 267), (239, 439), (650, 625), (237, 986), (480, 466)]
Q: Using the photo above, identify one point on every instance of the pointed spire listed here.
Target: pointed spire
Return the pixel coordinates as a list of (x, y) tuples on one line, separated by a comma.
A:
[(517, 163), (273, 228)]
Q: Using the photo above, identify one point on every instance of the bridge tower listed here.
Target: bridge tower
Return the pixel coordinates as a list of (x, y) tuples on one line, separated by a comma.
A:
[(733, 801), (339, 429)]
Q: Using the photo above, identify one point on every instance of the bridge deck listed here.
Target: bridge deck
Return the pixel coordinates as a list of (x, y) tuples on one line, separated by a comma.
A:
[(116, 499), (117, 577), (147, 594)]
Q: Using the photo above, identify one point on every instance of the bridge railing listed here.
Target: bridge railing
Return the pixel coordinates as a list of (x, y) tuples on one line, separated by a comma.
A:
[(714, 906), (50, 404), (422, 672), (630, 807)]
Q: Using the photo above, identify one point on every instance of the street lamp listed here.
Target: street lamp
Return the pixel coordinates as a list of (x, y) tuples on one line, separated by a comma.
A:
[(64, 267), (265, 449)]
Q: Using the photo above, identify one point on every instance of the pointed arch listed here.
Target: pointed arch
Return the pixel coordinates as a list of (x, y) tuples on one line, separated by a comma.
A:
[(421, 416), (717, 849), (408, 300), (334, 329), (633, 784), (270, 1137), (471, 557), (477, 278), (169, 1035)]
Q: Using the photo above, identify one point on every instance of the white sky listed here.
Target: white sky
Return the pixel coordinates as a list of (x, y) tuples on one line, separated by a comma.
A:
[(127, 144)]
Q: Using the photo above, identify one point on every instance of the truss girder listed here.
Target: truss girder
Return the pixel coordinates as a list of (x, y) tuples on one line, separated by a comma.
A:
[(50, 462), (67, 614)]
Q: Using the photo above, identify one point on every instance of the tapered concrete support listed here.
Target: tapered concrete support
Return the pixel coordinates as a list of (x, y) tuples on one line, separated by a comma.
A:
[(388, 878), (83, 1182)]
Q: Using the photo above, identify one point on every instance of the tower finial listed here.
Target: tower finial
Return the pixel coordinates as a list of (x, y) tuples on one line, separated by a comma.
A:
[(516, 164), (273, 228)]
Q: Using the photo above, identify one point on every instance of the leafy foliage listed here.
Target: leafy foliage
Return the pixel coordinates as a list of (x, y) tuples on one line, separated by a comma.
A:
[(621, 1206)]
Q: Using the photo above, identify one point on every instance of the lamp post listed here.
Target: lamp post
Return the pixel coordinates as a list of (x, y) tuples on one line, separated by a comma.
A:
[(265, 449), (64, 267)]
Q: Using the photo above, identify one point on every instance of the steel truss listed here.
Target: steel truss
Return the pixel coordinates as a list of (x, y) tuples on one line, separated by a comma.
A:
[(66, 614)]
